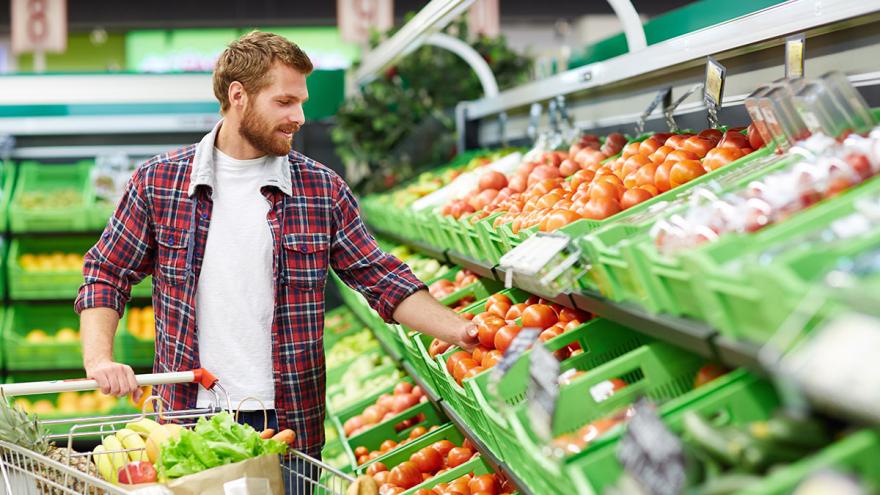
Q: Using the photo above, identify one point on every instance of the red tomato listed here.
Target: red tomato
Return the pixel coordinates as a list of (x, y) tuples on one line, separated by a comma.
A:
[(604, 190), (633, 197), (486, 333), (755, 139), (733, 139), (649, 146), (417, 432), (677, 141), (645, 175), (569, 314), (698, 145), (600, 208), (381, 477), (359, 451), (387, 445), (550, 333), (455, 358), (679, 155), (458, 456), (631, 149), (633, 163), (479, 353), (568, 167), (438, 347), (405, 475), (505, 336), (376, 467), (659, 156), (462, 367), (719, 157), (491, 358), (427, 460), (515, 311), (661, 176), (484, 483), (651, 188), (557, 219), (476, 370), (539, 316), (685, 171), (443, 447), (711, 134), (581, 177)]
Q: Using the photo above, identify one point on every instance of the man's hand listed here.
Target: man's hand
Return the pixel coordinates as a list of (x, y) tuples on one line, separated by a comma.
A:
[(467, 339), (115, 379)]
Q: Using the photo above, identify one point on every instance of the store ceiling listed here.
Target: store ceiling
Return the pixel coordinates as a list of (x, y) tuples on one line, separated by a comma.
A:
[(85, 15)]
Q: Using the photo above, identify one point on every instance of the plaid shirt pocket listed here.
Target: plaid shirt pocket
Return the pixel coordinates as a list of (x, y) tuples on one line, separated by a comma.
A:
[(307, 256), (171, 258)]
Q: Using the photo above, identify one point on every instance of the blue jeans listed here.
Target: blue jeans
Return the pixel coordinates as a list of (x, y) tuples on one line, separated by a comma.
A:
[(300, 476)]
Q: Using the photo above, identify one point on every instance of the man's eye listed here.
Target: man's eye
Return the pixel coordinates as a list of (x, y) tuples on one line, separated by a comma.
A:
[(284, 103)]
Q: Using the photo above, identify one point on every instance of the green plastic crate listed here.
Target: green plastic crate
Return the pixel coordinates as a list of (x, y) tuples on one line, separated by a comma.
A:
[(24, 355), (7, 185), (478, 290), (131, 350), (741, 399), (856, 454), (601, 340), (100, 213), (402, 453), (474, 466), (373, 437), (725, 287), (491, 244), (660, 371), (34, 178), (609, 248), (413, 355), (45, 285)]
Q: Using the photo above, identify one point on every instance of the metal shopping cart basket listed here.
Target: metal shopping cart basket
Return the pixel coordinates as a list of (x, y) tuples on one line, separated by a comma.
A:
[(26, 472)]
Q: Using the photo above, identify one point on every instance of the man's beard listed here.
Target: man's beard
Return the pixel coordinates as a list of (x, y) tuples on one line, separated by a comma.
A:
[(261, 135)]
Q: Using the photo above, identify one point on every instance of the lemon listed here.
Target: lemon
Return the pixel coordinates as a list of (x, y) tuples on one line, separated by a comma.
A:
[(37, 336)]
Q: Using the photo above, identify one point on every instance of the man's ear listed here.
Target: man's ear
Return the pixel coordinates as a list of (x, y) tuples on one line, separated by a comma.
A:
[(237, 95)]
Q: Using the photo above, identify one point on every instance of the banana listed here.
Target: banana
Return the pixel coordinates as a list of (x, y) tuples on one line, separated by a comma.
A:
[(104, 464), (114, 446), (144, 426), (131, 440)]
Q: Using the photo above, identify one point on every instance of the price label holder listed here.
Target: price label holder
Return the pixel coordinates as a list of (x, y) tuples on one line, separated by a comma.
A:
[(668, 110), (794, 56), (713, 89), (543, 264), (520, 344), (535, 112), (664, 96), (650, 453), (502, 129), (542, 391), (7, 145)]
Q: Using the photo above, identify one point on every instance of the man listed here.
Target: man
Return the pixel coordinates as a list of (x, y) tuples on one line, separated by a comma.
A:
[(239, 232)]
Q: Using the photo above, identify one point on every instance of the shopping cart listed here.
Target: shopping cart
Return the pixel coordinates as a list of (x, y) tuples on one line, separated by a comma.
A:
[(25, 472)]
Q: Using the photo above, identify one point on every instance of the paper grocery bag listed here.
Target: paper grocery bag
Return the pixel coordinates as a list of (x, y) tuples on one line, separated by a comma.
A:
[(211, 481)]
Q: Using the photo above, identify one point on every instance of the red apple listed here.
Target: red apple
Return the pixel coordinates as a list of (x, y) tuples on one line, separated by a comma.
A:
[(135, 473)]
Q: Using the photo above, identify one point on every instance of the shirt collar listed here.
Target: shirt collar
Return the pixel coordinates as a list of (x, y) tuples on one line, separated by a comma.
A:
[(203, 171)]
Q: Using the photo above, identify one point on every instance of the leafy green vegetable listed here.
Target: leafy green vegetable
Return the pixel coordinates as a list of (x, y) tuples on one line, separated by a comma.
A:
[(213, 443)]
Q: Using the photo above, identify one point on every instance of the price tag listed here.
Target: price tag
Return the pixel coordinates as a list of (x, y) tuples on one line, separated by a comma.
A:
[(713, 89), (650, 453), (794, 56), (664, 96), (543, 390), (520, 344)]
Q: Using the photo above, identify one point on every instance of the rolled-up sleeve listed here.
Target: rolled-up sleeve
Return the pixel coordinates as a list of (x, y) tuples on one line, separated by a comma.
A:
[(384, 280), (122, 257)]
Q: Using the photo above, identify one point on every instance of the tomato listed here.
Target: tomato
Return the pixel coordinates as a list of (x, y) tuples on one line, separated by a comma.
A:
[(645, 175), (443, 447), (427, 460), (631, 149), (518, 183), (755, 139), (581, 177), (633, 163), (685, 171), (614, 142), (476, 370), (604, 190), (550, 333), (713, 135), (659, 156), (557, 219), (677, 141), (515, 311), (360, 451), (548, 200), (486, 332), (484, 483), (458, 456), (679, 155), (462, 367), (733, 139), (568, 314), (505, 336), (405, 475), (376, 467), (498, 309), (649, 146), (491, 359), (417, 432), (381, 477), (600, 208), (568, 167), (708, 373), (455, 358), (541, 188), (719, 157), (480, 352), (539, 316), (698, 145), (633, 197), (387, 445)]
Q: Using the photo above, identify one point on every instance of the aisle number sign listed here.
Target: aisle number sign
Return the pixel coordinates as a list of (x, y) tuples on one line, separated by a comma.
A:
[(357, 18), (39, 26)]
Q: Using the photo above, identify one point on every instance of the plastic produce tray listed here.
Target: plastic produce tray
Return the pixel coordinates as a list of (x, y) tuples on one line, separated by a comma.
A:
[(45, 285), (35, 177)]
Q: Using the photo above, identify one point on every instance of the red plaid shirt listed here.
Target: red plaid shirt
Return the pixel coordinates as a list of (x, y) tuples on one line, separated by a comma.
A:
[(156, 230)]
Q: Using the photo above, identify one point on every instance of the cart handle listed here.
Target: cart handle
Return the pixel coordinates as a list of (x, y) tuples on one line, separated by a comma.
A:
[(201, 376)]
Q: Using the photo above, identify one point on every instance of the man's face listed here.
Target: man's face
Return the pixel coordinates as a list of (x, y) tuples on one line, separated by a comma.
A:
[(272, 116)]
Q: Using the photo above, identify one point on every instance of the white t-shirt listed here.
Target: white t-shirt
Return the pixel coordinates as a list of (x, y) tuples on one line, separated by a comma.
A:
[(235, 297)]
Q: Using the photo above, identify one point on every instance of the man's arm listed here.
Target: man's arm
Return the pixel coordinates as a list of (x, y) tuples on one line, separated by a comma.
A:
[(387, 283), (122, 257), (422, 312)]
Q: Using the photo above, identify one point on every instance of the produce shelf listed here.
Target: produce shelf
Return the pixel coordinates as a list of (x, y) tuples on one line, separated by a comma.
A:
[(478, 267), (453, 416), (738, 353)]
